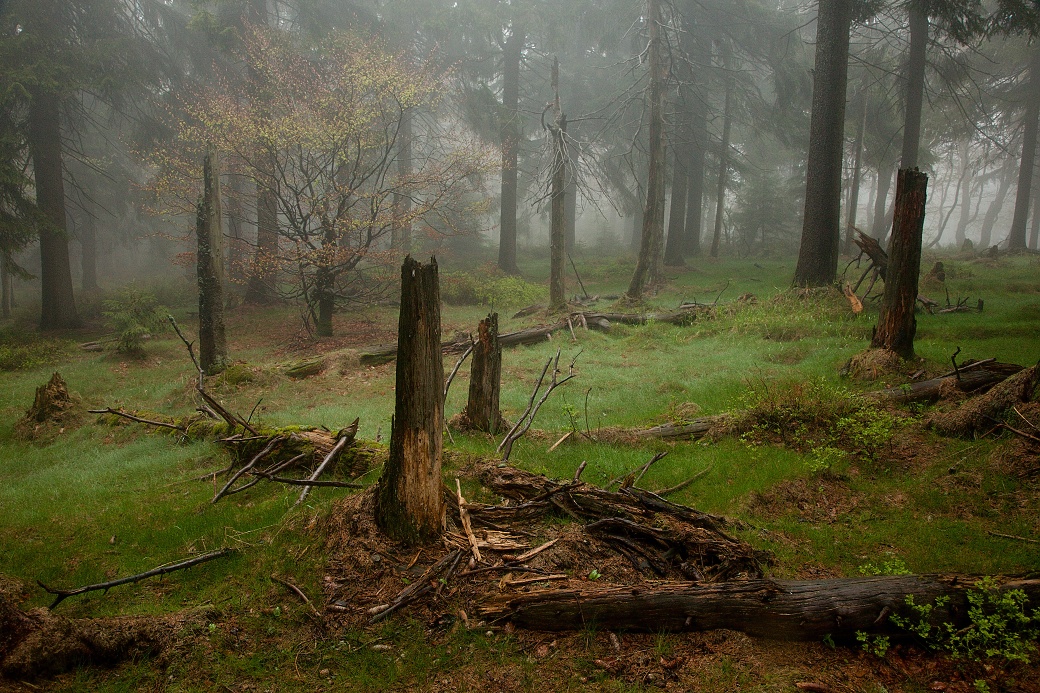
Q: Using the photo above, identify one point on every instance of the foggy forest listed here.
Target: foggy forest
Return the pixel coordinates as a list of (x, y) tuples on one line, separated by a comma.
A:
[(512, 345)]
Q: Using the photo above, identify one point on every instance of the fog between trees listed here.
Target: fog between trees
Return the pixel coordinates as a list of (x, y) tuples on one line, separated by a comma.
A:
[(351, 134)]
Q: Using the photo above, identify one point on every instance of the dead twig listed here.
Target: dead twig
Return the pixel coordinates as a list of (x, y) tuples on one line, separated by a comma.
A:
[(249, 465), (297, 591), (161, 570), (458, 364), (138, 419), (1014, 537), (524, 423), (684, 484), (346, 437)]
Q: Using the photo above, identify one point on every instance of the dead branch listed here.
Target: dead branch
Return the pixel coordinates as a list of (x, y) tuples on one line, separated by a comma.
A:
[(524, 424), (441, 570), (684, 484), (297, 591), (62, 595), (248, 466), (458, 364), (138, 419), (345, 438)]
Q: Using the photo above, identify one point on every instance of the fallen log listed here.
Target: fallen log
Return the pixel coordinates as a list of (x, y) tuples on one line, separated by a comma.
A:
[(982, 412), (385, 353), (698, 428), (774, 609), (970, 378)]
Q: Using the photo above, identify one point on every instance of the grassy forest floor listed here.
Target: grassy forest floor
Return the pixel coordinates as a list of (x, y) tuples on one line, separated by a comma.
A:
[(831, 485)]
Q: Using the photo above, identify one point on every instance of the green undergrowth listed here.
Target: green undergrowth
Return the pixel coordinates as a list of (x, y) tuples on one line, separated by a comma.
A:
[(826, 479)]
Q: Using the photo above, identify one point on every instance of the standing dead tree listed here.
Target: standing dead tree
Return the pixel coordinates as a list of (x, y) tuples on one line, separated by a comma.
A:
[(897, 325), (482, 411), (409, 507)]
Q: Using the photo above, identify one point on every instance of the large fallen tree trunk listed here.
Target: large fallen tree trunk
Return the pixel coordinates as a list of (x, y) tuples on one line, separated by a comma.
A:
[(776, 609), (385, 353), (969, 380), (36, 643)]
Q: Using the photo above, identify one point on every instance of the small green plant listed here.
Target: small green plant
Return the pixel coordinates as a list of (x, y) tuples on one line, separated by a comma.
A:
[(889, 566), (595, 574), (1000, 627), (876, 645), (134, 314)]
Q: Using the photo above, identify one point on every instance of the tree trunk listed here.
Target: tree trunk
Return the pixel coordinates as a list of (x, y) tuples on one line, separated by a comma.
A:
[(821, 227), (857, 177), (557, 240), (1017, 236), (1034, 228), (916, 63), (648, 265), (324, 297), (401, 233), (570, 208), (965, 216), (6, 288), (879, 229), (775, 609), (511, 54), (896, 323), (995, 207), (58, 303), (673, 251), (213, 353), (88, 254), (720, 199), (485, 382), (409, 502)]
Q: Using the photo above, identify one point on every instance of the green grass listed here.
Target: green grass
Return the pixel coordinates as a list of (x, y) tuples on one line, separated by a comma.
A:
[(64, 499)]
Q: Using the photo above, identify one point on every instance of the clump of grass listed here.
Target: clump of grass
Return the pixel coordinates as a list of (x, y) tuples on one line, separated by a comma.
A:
[(811, 416), (25, 350), (488, 286)]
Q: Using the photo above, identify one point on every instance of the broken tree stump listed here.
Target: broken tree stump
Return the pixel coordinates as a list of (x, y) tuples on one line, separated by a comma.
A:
[(482, 411), (774, 609), (409, 506), (982, 412), (897, 324)]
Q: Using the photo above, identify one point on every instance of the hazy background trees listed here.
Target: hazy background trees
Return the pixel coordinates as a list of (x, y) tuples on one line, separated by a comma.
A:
[(356, 132)]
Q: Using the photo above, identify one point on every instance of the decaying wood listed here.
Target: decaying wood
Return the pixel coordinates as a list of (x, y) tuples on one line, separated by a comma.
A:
[(62, 595), (686, 314), (698, 428), (132, 417), (39, 643), (343, 439), (973, 378), (984, 410), (775, 609), (442, 570)]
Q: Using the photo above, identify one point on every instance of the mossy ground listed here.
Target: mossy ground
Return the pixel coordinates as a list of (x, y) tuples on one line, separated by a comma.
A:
[(824, 484)]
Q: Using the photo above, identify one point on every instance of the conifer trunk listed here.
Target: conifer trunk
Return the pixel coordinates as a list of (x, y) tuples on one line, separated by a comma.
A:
[(821, 228), (557, 236), (210, 261), (511, 54), (409, 504), (57, 301), (1017, 236), (896, 324)]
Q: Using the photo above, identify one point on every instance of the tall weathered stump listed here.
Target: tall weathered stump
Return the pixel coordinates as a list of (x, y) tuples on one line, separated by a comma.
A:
[(409, 505), (212, 342), (896, 324), (482, 411)]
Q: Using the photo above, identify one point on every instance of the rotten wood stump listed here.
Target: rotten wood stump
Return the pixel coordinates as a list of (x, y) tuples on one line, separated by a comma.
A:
[(482, 411), (409, 506)]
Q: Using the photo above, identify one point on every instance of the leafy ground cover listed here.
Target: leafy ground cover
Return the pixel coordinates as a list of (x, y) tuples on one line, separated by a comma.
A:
[(828, 482)]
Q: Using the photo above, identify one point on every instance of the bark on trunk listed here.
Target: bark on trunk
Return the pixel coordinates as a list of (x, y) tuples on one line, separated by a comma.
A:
[(325, 299), (915, 68), (1034, 229), (482, 411), (511, 54), (896, 323), (774, 609), (557, 240), (6, 288), (210, 260), (58, 303), (821, 228), (1017, 236), (409, 502), (964, 218), (648, 265)]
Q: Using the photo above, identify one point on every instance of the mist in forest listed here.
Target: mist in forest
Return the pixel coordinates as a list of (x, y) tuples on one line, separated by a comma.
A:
[(498, 134)]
